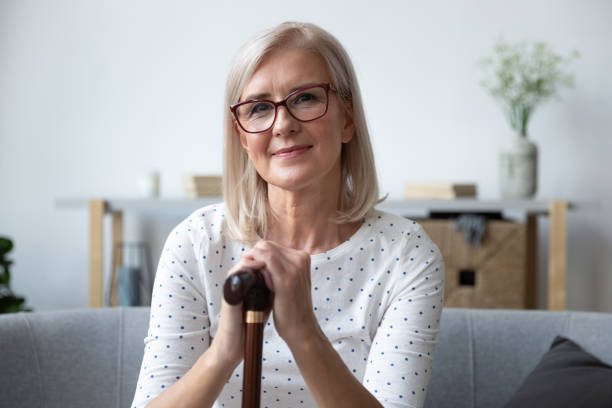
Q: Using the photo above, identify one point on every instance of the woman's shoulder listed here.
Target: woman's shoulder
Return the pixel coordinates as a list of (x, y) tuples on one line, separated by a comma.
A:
[(212, 215), (205, 221), (392, 222), (410, 245), (398, 232)]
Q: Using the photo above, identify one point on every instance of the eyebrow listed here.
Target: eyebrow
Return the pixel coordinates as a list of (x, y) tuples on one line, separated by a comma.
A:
[(268, 95)]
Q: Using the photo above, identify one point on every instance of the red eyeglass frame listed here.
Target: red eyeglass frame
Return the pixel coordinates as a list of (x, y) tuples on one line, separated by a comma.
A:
[(283, 102)]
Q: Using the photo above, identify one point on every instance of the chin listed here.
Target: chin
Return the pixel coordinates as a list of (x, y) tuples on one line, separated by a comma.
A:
[(299, 178), (285, 176), (293, 182), (290, 185)]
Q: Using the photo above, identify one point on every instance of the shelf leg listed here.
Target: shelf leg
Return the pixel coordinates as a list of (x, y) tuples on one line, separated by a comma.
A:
[(97, 208), (531, 289), (557, 256), (117, 255)]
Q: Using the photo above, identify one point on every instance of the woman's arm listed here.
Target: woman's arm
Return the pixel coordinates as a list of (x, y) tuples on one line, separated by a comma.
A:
[(202, 384), (329, 380), (180, 366), (179, 324), (287, 274), (401, 357)]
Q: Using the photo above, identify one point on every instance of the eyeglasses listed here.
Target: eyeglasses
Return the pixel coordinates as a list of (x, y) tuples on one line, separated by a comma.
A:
[(304, 104)]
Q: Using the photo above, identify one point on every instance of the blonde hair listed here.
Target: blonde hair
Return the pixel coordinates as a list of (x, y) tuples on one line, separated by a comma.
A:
[(244, 190)]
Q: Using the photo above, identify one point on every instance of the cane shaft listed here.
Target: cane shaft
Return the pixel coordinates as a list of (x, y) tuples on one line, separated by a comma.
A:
[(251, 380), (249, 287)]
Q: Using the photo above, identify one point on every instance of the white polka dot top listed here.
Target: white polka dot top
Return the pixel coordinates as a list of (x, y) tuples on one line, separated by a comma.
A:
[(377, 296)]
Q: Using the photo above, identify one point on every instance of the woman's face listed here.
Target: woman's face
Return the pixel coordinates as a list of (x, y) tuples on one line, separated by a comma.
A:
[(313, 159)]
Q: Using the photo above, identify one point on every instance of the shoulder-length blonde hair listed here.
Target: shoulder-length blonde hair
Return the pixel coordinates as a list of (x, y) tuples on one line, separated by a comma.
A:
[(244, 191)]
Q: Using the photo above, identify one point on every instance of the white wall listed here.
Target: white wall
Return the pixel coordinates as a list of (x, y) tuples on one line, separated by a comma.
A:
[(95, 94)]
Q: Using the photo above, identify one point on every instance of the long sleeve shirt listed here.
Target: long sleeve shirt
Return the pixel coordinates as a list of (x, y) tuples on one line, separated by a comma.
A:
[(378, 298)]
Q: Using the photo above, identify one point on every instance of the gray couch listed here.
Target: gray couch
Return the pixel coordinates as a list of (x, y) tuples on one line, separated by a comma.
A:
[(91, 358)]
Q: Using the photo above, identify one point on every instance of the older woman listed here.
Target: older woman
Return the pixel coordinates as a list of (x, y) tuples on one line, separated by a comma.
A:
[(357, 293)]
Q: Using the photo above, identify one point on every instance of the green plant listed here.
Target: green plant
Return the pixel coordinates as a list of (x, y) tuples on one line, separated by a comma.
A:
[(9, 303), (522, 76)]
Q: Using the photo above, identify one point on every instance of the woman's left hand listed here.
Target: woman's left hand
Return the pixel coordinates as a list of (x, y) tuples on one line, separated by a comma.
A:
[(287, 275)]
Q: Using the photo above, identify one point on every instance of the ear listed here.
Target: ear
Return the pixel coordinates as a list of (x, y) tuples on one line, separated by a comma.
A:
[(348, 129)]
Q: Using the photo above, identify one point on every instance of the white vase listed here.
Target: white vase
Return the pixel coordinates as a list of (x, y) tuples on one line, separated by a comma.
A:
[(518, 168), (148, 185)]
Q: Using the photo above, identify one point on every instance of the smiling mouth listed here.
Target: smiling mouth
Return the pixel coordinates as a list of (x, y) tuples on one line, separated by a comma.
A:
[(293, 151)]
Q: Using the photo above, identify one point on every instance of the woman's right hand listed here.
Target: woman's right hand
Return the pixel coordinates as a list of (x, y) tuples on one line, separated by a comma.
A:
[(228, 344)]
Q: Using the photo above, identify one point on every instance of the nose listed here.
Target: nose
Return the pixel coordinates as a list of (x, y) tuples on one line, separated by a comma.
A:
[(285, 124)]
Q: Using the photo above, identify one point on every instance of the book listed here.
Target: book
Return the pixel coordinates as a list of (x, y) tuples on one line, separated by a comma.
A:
[(442, 191), (203, 186)]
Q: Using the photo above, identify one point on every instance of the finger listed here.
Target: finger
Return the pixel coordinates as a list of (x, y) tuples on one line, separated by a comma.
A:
[(268, 279), (259, 252), (267, 261), (272, 259), (251, 264), (258, 245)]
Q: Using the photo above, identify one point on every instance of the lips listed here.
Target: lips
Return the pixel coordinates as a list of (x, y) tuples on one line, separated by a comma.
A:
[(291, 151)]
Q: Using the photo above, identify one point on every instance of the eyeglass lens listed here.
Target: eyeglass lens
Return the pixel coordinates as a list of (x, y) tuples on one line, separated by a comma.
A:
[(306, 105)]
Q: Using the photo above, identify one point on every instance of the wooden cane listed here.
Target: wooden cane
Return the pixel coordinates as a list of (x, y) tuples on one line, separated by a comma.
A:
[(249, 287)]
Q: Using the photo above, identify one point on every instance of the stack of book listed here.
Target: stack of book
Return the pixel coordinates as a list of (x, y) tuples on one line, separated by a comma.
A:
[(202, 186), (440, 191)]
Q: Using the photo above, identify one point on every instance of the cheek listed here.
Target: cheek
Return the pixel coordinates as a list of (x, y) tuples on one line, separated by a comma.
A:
[(256, 147), (330, 135), (338, 122)]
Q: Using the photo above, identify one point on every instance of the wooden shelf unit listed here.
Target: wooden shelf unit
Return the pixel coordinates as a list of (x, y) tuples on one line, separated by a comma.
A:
[(556, 210)]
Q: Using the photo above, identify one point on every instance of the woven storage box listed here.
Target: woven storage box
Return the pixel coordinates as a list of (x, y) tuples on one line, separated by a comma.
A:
[(492, 276)]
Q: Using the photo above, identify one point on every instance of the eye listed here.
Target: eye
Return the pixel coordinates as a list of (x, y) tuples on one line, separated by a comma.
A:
[(259, 108), (304, 97)]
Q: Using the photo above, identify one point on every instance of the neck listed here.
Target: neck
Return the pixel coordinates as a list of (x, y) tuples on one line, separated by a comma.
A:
[(304, 219)]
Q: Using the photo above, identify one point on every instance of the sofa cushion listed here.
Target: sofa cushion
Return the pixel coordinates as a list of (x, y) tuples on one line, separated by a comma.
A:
[(566, 376)]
